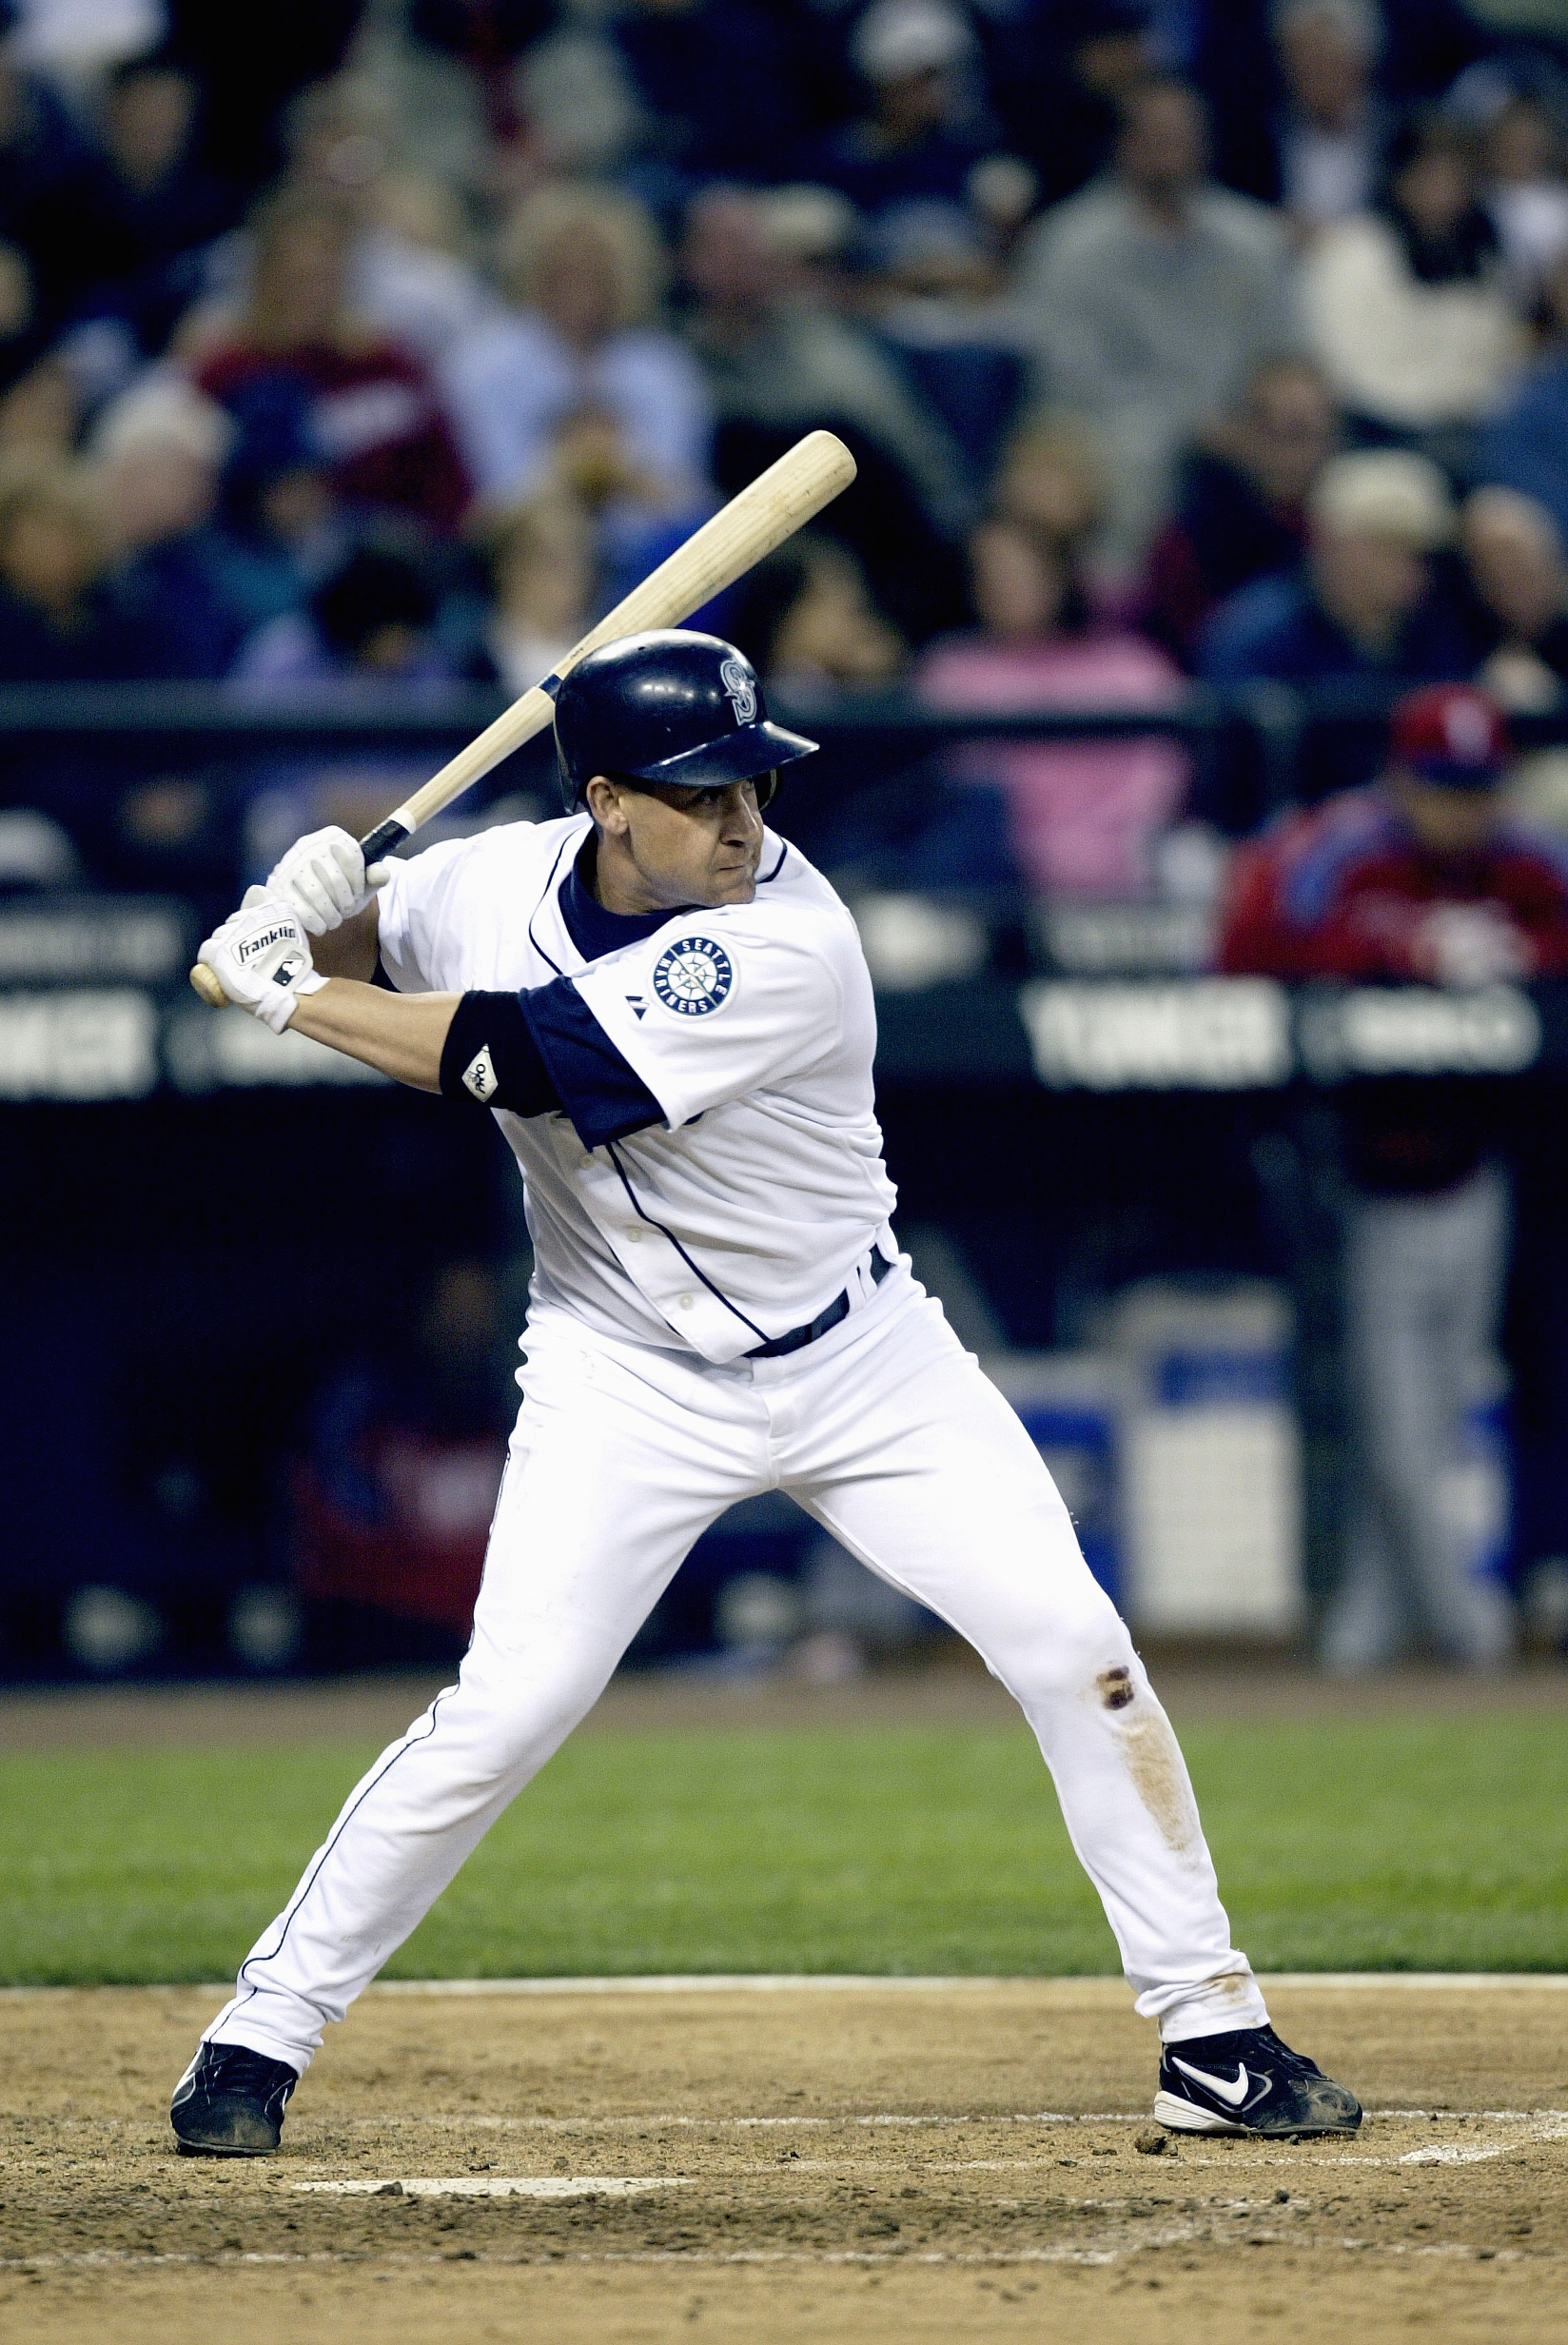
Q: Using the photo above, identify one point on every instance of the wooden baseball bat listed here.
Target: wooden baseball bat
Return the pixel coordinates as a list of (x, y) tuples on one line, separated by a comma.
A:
[(756, 522)]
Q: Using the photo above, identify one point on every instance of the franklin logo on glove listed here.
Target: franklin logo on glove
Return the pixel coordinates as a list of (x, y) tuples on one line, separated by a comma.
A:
[(261, 957), (249, 949)]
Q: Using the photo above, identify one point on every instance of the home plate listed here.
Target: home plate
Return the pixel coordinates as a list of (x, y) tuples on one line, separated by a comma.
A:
[(505, 2186)]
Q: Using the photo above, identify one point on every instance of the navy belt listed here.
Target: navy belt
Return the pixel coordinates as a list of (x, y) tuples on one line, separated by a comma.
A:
[(839, 1308)]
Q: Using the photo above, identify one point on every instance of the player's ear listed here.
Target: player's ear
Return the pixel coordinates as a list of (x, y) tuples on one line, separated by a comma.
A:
[(606, 801)]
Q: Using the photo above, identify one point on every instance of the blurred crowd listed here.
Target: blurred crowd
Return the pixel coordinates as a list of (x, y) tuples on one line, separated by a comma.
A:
[(398, 338)]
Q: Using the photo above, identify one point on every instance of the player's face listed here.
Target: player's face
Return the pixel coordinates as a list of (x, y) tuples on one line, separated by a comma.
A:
[(677, 846), (1446, 821)]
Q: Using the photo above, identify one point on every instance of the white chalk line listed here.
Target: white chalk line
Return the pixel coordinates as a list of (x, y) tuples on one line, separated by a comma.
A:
[(898, 2117), (120, 2258), (625, 2186), (1257, 2149), (1471, 2153), (812, 1982), (889, 2118), (501, 2186), (1540, 2127), (1459, 2154)]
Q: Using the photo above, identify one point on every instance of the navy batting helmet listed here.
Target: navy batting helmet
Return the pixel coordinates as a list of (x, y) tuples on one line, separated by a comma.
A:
[(670, 705)]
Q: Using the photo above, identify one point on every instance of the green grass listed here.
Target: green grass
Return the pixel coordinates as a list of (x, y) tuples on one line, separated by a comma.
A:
[(1405, 1843)]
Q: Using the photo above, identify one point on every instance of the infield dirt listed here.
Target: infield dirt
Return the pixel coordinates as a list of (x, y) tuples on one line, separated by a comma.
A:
[(856, 2163)]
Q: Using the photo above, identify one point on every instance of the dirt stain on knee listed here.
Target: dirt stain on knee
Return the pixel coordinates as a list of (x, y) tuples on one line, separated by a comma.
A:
[(1159, 1777), (1153, 1760)]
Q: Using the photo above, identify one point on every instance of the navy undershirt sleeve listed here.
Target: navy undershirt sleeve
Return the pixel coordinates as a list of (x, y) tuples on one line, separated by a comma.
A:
[(602, 1094)]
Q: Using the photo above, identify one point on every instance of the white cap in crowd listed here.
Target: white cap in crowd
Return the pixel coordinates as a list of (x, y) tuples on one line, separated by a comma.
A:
[(164, 410), (1384, 493), (898, 38)]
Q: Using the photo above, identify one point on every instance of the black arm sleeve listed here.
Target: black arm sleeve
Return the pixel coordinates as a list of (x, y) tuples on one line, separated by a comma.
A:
[(544, 1050), (490, 1055)]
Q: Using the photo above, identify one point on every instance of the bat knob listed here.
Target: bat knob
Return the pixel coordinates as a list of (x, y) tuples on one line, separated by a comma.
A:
[(205, 983)]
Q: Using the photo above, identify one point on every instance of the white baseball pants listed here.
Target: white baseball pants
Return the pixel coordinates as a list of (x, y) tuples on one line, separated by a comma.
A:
[(889, 1434)]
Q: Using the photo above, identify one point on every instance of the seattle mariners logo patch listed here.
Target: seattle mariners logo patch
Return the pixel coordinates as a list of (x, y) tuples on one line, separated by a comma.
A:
[(693, 976)]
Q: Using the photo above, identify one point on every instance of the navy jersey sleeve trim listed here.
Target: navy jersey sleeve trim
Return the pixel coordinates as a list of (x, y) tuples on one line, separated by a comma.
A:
[(601, 1093)]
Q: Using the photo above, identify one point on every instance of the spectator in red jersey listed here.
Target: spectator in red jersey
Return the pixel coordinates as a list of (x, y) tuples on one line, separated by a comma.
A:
[(371, 410), (1416, 878), (1419, 877)]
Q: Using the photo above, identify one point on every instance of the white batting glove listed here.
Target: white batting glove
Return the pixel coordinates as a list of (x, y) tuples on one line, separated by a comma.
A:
[(324, 877), (261, 957)]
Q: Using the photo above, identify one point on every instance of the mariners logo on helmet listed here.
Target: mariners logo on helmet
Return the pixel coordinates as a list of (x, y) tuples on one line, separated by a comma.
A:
[(740, 686), (693, 976)]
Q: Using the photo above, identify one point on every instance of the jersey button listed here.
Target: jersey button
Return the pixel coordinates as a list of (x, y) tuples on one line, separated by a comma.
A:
[(687, 1301), (633, 1235)]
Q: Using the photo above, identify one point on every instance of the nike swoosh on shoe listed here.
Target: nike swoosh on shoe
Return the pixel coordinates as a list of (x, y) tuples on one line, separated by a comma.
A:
[(1232, 2095)]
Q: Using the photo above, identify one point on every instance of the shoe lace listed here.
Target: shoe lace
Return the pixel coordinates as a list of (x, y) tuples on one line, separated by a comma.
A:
[(1257, 2046), (234, 2068), (1294, 2063)]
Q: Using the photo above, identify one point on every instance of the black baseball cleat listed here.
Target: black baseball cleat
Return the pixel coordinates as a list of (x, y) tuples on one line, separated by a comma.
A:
[(1249, 2082), (231, 2103)]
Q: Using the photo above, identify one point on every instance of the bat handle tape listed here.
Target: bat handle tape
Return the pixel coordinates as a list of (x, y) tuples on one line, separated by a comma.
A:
[(383, 839)]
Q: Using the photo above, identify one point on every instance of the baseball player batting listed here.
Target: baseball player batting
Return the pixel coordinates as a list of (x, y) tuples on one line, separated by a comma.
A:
[(667, 1011)]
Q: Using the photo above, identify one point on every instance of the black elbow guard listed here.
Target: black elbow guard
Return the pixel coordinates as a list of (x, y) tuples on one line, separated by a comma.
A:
[(490, 1055)]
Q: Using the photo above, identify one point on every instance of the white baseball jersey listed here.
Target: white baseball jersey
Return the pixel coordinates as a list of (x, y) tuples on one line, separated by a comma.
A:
[(752, 1025)]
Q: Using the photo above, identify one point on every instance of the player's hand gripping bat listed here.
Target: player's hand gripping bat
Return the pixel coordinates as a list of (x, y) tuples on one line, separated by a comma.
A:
[(805, 479)]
